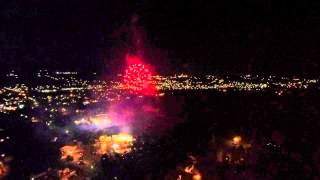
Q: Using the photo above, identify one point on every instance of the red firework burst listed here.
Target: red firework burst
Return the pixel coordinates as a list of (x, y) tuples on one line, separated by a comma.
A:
[(137, 77)]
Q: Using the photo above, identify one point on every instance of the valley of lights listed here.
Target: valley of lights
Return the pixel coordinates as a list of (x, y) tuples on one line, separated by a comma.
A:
[(78, 112)]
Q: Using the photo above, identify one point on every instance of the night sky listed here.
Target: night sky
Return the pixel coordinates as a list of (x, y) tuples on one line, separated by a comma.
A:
[(221, 37)]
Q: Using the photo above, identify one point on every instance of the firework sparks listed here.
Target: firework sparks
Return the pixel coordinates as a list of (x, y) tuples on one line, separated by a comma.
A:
[(118, 143), (138, 77)]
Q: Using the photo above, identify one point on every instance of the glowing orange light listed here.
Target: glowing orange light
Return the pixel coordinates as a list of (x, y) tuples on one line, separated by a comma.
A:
[(74, 152), (3, 169), (237, 140), (119, 143), (196, 177)]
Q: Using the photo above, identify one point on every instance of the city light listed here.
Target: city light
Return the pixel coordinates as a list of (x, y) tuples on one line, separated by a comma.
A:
[(118, 143), (73, 153), (72, 106)]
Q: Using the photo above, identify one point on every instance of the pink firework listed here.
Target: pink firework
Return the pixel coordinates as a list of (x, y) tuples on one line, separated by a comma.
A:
[(138, 76)]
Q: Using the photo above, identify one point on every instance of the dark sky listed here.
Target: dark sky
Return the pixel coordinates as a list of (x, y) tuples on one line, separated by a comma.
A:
[(262, 36)]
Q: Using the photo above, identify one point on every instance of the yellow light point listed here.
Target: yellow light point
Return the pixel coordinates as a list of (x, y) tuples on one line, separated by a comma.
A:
[(237, 140)]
